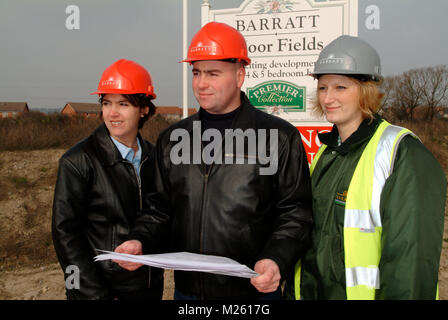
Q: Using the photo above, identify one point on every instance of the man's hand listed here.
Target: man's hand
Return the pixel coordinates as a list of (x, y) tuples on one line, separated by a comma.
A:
[(129, 247), (269, 276)]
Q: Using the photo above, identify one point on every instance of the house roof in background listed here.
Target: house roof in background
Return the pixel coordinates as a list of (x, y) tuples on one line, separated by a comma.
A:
[(13, 106), (83, 107)]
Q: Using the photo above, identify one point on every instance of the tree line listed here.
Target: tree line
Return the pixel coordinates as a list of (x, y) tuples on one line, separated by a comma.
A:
[(416, 94)]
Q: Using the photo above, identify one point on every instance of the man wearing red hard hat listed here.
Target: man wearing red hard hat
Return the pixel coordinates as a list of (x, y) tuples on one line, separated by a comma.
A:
[(99, 192), (222, 207)]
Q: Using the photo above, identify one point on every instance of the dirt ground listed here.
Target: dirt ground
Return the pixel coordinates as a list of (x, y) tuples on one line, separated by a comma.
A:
[(28, 265)]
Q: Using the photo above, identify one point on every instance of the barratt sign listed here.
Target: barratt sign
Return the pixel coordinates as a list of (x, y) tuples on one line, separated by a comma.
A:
[(277, 97), (284, 39)]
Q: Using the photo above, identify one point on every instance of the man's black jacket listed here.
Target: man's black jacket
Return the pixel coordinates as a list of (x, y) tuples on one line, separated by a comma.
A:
[(96, 202), (230, 209)]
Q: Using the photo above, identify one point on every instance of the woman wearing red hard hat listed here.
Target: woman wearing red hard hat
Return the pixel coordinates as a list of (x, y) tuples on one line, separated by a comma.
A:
[(100, 188)]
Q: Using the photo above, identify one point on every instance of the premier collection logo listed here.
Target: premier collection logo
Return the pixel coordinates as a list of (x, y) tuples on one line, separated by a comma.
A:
[(278, 96)]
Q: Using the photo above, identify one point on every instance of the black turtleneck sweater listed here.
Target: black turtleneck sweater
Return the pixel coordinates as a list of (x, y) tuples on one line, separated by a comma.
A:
[(217, 121), (220, 122)]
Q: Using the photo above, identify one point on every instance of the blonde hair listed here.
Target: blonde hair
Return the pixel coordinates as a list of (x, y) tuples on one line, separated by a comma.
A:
[(370, 97)]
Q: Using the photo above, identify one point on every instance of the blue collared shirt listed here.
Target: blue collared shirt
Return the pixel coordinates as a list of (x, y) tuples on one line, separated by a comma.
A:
[(128, 154)]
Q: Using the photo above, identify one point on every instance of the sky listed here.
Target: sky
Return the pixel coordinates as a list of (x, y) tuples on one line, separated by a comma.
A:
[(44, 63)]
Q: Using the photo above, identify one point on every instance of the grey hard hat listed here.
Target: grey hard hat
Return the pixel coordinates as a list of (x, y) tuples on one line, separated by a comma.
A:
[(349, 55)]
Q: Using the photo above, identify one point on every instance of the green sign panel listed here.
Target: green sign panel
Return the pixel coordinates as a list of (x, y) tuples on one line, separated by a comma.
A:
[(272, 96)]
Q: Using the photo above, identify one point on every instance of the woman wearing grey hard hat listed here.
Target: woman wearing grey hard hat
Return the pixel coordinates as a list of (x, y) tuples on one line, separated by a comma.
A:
[(378, 193)]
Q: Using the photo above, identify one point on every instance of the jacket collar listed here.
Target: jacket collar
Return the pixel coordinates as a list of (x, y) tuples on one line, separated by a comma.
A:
[(106, 149), (245, 118), (364, 132)]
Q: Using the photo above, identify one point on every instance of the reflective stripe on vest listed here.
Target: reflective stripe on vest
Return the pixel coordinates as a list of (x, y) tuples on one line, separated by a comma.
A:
[(362, 219)]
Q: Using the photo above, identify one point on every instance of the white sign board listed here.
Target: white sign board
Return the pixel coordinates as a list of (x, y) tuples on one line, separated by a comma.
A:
[(284, 39)]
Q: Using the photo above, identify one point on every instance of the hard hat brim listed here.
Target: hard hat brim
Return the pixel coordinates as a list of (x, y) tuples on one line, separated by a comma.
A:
[(99, 92), (245, 61), (348, 74)]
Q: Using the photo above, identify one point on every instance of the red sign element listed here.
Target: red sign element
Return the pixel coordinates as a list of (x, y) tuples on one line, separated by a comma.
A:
[(311, 140)]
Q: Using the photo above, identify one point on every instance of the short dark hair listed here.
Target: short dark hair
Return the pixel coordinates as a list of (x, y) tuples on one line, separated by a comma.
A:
[(138, 100)]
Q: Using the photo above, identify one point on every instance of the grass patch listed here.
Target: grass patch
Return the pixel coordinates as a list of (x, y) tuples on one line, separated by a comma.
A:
[(19, 182), (37, 131)]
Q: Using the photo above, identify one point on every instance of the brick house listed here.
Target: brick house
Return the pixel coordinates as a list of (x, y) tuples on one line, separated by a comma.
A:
[(88, 110), (12, 109)]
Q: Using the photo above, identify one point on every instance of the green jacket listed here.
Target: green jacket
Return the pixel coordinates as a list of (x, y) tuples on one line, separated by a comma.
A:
[(412, 213)]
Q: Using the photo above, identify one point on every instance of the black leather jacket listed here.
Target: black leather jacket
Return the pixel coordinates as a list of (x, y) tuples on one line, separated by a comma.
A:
[(96, 201), (230, 209)]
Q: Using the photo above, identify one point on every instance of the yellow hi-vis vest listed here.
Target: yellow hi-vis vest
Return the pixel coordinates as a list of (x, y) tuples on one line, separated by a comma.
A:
[(362, 219)]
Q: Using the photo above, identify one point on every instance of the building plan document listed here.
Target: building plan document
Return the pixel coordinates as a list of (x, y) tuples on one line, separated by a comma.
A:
[(185, 261)]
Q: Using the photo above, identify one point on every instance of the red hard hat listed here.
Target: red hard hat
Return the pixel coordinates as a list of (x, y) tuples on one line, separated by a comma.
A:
[(217, 41), (126, 77)]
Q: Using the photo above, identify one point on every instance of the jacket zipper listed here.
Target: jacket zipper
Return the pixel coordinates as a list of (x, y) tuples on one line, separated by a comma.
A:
[(201, 248), (141, 204), (206, 177), (139, 183)]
